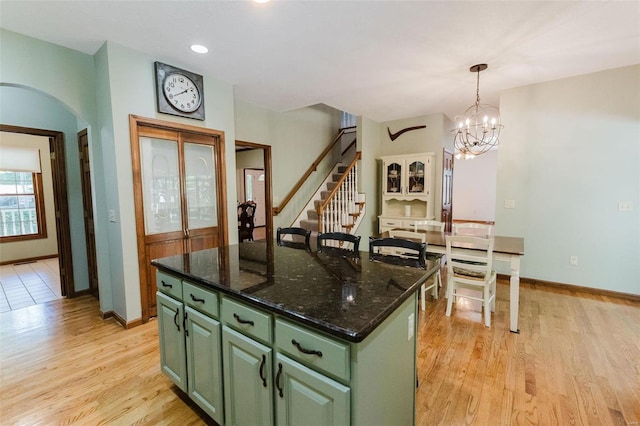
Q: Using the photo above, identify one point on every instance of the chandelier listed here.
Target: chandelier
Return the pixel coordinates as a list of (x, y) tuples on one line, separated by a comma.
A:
[(477, 130)]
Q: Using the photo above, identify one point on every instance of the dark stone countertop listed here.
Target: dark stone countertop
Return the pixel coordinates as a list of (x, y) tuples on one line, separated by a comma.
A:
[(347, 297)]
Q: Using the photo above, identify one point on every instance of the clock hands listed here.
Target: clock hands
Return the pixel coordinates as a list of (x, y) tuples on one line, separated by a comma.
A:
[(184, 91)]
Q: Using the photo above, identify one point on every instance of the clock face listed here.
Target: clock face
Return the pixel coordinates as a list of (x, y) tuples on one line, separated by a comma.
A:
[(181, 92)]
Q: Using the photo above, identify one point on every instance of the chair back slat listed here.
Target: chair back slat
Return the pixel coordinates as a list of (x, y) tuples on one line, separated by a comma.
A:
[(473, 229), (398, 251), (298, 238), (428, 225), (339, 241)]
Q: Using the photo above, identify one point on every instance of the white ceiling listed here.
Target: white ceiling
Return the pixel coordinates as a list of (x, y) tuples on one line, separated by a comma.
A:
[(382, 59)]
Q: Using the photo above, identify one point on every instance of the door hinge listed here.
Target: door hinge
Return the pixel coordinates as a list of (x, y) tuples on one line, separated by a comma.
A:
[(52, 155)]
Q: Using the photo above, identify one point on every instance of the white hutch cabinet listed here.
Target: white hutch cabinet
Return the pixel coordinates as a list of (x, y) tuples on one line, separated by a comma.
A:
[(407, 190)]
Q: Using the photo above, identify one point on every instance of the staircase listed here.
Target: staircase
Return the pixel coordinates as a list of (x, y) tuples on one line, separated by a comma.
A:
[(341, 206)]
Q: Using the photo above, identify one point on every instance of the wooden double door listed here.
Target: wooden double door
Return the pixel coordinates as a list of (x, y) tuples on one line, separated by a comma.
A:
[(180, 197)]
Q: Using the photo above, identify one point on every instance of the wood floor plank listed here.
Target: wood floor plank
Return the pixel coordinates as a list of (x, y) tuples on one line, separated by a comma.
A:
[(575, 362)]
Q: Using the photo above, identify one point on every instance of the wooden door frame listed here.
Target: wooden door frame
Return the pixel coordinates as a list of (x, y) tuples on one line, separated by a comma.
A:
[(445, 151), (59, 175), (268, 202), (221, 190)]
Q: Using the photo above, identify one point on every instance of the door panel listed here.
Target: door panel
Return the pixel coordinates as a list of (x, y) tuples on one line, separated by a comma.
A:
[(87, 204)]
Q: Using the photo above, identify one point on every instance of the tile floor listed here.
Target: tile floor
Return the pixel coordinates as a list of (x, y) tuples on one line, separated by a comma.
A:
[(29, 284)]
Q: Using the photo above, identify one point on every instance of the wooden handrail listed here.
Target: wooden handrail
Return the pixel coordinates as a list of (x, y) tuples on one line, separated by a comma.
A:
[(312, 168), (337, 187)]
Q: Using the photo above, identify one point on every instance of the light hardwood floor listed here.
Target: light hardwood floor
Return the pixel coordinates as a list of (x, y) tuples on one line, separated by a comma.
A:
[(576, 361)]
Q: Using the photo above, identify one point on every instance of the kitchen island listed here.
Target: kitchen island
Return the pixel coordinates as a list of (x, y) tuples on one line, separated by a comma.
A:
[(261, 334)]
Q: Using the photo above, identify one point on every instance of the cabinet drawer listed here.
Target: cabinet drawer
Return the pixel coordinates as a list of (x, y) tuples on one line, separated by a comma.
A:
[(169, 284), (390, 223), (203, 300), (313, 349), (250, 321)]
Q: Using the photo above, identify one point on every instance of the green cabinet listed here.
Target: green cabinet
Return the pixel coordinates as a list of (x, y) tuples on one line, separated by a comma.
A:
[(190, 351), (171, 331), (305, 397), (248, 384), (204, 363)]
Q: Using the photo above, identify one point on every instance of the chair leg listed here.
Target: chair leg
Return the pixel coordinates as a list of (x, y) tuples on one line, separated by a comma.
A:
[(486, 305), (436, 284), (423, 290), (493, 293), (450, 292)]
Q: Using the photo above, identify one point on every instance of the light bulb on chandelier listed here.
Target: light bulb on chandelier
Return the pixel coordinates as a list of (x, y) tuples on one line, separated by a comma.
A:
[(479, 127)]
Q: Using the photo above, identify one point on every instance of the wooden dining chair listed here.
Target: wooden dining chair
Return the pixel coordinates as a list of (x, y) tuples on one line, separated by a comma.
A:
[(293, 237), (436, 283), (339, 241), (471, 270)]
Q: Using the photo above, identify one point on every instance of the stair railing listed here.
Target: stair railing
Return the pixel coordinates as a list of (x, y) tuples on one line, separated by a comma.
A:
[(343, 205), (312, 168)]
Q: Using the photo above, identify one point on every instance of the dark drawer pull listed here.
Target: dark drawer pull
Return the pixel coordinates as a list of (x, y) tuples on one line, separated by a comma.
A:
[(241, 321), (278, 386), (262, 365), (195, 299), (304, 350), (175, 319), (165, 284)]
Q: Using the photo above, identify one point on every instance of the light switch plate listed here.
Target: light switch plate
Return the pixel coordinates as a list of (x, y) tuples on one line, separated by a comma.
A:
[(112, 216), (509, 204), (625, 206)]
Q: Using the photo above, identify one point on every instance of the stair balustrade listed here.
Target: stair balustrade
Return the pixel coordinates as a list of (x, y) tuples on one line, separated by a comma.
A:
[(339, 211)]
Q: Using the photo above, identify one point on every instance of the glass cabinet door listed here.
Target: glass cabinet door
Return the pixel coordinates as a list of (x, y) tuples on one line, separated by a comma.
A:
[(161, 185), (394, 178), (200, 186), (416, 175)]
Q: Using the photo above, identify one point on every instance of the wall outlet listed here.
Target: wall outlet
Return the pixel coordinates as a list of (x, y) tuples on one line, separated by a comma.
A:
[(625, 206), (411, 326), (509, 204), (573, 260)]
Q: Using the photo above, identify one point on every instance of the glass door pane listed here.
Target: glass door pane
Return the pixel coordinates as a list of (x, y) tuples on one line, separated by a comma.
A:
[(200, 185), (394, 178), (160, 185), (416, 177)]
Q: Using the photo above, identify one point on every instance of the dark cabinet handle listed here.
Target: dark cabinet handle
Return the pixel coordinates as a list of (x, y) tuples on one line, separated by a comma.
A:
[(264, 379), (305, 350), (184, 324), (165, 284), (195, 299), (241, 321), (278, 381), (175, 319)]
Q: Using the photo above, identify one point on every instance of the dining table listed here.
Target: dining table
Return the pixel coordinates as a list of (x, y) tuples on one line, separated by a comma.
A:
[(505, 249)]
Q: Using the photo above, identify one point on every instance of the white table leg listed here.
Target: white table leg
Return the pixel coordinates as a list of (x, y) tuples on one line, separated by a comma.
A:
[(514, 295)]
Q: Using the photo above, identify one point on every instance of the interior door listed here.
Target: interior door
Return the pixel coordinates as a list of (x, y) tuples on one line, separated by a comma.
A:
[(179, 195), (447, 189), (254, 190), (87, 203)]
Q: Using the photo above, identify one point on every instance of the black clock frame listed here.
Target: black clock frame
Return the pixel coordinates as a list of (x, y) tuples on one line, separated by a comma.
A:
[(162, 71)]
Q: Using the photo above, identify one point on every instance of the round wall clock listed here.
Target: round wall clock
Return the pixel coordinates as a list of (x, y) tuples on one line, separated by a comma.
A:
[(179, 92)]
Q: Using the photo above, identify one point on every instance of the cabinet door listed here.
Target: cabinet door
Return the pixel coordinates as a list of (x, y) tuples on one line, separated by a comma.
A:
[(392, 177), (204, 363), (248, 386), (305, 397), (416, 176), (172, 351)]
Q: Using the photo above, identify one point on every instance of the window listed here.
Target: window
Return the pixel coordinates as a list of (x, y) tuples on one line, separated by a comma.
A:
[(21, 206)]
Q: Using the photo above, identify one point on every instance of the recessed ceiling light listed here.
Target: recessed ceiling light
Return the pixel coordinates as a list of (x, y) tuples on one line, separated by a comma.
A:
[(198, 48)]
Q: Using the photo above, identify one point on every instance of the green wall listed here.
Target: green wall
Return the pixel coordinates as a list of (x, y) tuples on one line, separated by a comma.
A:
[(569, 152)]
